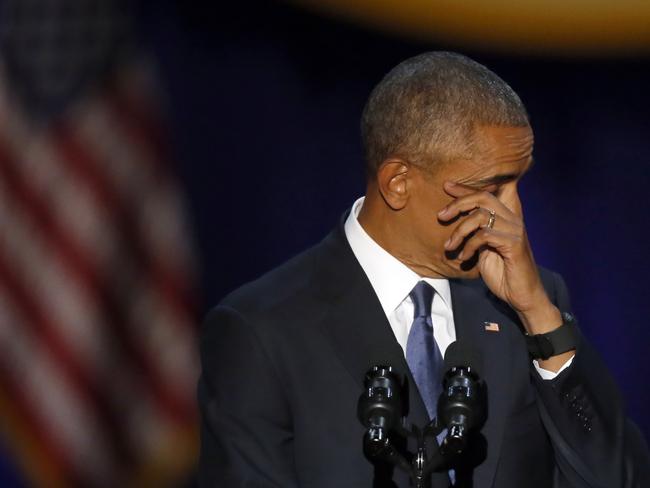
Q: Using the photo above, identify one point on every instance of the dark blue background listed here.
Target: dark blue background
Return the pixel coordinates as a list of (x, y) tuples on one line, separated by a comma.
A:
[(265, 101)]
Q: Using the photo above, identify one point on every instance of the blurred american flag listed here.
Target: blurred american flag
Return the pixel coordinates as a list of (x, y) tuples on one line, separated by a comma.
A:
[(97, 338)]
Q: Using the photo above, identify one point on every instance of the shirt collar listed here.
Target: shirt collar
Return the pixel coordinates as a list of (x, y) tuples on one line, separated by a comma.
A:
[(391, 279)]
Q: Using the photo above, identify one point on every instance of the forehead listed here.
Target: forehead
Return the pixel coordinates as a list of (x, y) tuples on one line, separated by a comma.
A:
[(504, 141), (496, 151)]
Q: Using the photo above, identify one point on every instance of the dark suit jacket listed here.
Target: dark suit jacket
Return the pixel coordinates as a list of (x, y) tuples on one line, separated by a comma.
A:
[(284, 359)]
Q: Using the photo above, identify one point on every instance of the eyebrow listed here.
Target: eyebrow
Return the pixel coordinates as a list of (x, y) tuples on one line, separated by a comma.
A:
[(496, 179)]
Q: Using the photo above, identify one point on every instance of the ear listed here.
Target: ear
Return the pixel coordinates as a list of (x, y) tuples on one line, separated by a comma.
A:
[(392, 179)]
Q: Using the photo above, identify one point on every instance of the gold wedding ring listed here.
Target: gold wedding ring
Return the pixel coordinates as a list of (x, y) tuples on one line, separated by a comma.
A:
[(493, 217)]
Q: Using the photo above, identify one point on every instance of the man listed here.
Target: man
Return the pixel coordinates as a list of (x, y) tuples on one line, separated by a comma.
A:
[(435, 252)]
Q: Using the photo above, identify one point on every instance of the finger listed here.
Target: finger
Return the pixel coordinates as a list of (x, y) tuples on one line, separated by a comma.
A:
[(477, 199), (503, 242), (477, 220)]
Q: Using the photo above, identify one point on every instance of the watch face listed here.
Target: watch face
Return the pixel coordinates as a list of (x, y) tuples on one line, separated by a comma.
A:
[(538, 346), (562, 339), (546, 349)]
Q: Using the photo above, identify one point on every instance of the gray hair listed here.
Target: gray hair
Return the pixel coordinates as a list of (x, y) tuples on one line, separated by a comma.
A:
[(426, 108)]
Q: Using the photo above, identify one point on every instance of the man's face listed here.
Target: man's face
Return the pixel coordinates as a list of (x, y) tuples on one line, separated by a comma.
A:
[(502, 156)]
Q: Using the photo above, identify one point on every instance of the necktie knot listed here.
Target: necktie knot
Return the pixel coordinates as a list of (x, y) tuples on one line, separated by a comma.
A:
[(422, 296)]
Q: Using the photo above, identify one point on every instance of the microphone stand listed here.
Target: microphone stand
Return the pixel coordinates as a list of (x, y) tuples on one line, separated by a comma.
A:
[(378, 446), (380, 411)]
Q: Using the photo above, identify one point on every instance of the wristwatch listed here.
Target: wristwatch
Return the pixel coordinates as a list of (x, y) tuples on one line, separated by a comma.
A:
[(562, 339)]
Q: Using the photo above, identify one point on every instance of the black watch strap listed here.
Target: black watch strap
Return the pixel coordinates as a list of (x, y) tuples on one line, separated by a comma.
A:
[(562, 339)]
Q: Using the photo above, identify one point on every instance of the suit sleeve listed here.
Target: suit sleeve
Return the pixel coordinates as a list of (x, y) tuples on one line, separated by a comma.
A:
[(595, 445), (246, 435)]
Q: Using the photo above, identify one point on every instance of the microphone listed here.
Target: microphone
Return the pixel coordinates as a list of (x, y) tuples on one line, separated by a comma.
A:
[(461, 406), (380, 408)]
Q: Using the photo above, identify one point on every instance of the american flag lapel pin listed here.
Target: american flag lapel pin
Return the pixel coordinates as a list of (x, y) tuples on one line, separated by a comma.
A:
[(491, 326)]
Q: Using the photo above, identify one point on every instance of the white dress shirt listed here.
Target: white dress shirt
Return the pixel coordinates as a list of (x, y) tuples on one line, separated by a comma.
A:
[(392, 281)]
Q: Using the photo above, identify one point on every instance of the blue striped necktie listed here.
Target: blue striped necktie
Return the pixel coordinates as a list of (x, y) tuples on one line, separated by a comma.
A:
[(422, 352)]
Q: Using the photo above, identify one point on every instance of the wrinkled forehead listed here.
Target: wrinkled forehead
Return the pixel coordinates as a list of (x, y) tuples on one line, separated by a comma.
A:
[(499, 155), (503, 144)]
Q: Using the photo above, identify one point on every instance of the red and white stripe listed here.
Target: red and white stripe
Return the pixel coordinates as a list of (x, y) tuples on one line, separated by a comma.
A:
[(97, 337)]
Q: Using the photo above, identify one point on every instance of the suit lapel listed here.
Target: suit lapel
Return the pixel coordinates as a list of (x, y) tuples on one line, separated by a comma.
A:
[(473, 305), (355, 323)]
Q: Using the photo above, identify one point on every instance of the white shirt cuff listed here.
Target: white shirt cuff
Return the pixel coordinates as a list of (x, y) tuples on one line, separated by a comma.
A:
[(550, 375)]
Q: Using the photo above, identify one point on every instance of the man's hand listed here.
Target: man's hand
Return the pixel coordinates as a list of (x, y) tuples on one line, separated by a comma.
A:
[(505, 259)]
